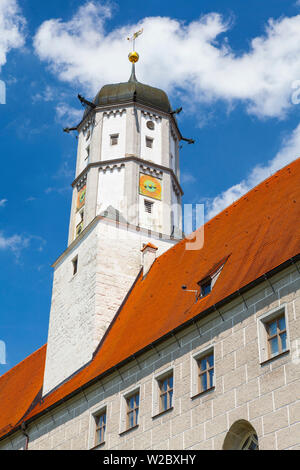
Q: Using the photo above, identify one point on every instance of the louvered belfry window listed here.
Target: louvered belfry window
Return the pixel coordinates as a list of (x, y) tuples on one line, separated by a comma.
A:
[(148, 206)]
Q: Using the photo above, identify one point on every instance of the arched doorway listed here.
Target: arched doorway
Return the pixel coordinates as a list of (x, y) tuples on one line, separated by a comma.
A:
[(241, 436)]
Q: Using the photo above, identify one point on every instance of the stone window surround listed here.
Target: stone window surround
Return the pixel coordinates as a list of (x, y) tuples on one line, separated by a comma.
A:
[(123, 409), (149, 142), (94, 412), (156, 390), (195, 370), (263, 336), (114, 139)]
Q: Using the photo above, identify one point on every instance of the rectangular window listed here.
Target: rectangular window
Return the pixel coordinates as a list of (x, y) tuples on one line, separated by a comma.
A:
[(100, 428), (75, 265), (114, 139), (273, 334), (87, 158), (277, 336), (206, 372), (133, 410), (149, 142), (166, 393), (79, 227), (148, 206)]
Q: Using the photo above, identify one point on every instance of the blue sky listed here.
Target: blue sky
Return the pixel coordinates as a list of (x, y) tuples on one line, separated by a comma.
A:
[(234, 66)]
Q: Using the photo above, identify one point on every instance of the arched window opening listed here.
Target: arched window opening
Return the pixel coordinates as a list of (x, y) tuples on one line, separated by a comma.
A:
[(241, 436)]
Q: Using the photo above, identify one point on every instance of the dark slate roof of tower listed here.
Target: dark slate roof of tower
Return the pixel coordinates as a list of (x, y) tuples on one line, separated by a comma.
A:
[(135, 91)]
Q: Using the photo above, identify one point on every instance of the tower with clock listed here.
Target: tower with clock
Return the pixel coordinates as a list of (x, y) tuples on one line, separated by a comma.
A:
[(126, 197)]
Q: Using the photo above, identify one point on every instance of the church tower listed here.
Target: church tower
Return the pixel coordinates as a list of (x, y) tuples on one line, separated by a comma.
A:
[(126, 194)]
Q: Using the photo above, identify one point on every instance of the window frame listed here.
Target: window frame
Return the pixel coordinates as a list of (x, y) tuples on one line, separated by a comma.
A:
[(277, 335), (196, 388), (162, 393), (157, 379), (132, 411), (96, 411), (149, 140), (262, 333), (124, 424), (97, 416), (116, 137), (205, 372)]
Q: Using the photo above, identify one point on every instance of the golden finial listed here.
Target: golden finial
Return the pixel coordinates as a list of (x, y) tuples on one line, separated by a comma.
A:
[(133, 56)]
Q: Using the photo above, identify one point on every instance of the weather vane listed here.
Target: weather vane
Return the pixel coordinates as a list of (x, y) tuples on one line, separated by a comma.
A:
[(133, 56)]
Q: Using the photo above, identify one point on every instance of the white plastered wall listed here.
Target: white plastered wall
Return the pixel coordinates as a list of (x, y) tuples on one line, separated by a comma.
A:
[(84, 304), (111, 188), (153, 154), (114, 122)]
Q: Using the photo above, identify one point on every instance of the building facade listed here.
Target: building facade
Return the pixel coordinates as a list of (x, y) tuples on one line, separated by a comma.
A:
[(154, 343)]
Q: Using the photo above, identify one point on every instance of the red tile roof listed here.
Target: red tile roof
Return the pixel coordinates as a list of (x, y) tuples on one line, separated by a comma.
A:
[(19, 388), (254, 235)]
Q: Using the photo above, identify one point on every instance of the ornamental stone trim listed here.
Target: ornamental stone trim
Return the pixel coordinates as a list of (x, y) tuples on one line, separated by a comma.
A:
[(114, 112), (81, 182), (111, 167), (148, 170)]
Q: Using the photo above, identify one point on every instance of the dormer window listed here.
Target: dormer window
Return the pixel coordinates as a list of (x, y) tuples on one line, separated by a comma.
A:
[(114, 139), (205, 287), (149, 142), (207, 283)]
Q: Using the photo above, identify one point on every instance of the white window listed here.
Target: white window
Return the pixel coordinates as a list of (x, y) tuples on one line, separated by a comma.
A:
[(163, 392), (130, 410), (98, 425), (203, 373), (273, 336)]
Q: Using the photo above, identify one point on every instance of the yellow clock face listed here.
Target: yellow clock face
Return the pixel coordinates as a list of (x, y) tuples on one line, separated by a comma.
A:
[(81, 198), (150, 186)]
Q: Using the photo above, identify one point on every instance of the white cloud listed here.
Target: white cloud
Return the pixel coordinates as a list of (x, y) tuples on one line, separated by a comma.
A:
[(193, 59), (68, 115), (290, 150), (187, 178), (3, 202), (11, 28), (47, 95), (15, 243)]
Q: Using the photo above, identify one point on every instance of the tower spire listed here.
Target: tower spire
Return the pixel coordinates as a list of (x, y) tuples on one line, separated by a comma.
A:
[(134, 56), (132, 77)]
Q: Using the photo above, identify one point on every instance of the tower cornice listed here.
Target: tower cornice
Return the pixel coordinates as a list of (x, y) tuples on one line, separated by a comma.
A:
[(128, 158), (140, 106)]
